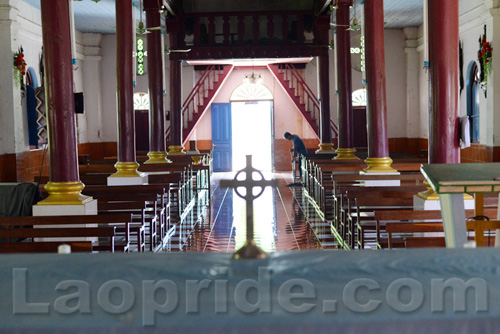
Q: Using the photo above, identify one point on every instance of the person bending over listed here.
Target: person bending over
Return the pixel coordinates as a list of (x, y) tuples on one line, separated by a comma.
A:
[(298, 147)]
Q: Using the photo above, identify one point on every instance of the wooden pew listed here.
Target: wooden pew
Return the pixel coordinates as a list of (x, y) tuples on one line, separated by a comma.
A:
[(45, 247), (76, 232), (190, 199), (319, 183), (428, 221), (108, 224), (148, 203), (358, 205), (424, 242)]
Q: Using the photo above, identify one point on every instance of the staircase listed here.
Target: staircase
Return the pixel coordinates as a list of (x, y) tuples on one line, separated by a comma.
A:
[(301, 95), (200, 98)]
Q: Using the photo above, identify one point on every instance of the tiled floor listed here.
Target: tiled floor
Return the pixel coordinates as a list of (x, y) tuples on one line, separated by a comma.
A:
[(279, 222)]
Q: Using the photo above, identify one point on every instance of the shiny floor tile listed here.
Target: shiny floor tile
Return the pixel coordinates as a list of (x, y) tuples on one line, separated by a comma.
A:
[(279, 220)]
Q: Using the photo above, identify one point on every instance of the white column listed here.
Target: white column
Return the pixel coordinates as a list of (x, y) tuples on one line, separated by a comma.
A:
[(92, 85), (13, 132), (412, 83)]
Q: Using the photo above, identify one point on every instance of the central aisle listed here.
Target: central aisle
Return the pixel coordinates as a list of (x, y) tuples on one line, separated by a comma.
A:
[(278, 217)]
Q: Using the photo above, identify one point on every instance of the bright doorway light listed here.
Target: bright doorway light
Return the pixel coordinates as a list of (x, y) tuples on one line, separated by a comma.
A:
[(251, 122)]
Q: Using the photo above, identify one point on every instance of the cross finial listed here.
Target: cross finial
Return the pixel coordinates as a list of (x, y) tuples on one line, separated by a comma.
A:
[(250, 250)]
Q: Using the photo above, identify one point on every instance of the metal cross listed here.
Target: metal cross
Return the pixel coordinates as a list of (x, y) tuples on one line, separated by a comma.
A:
[(250, 249)]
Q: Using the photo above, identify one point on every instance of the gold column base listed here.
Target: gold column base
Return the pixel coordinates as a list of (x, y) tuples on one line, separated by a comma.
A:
[(65, 193), (126, 169), (250, 251), (325, 148), (197, 159), (157, 157), (379, 165), (346, 154), (176, 150), (430, 194)]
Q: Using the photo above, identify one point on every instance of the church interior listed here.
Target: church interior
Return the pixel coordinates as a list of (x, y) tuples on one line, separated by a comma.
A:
[(156, 127)]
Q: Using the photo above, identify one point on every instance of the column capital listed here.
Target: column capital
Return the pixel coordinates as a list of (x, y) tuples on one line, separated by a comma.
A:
[(411, 33), (92, 51), (8, 10), (91, 39)]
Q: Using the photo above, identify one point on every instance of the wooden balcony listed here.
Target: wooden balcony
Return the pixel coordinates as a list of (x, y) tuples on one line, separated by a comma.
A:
[(248, 35)]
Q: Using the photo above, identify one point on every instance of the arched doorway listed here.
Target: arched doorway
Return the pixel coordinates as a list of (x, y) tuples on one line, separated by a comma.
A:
[(473, 85), (359, 118), (252, 125), (35, 122), (141, 107)]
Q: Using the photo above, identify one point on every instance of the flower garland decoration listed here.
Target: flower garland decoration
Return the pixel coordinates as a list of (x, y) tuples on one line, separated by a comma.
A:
[(19, 68), (484, 55)]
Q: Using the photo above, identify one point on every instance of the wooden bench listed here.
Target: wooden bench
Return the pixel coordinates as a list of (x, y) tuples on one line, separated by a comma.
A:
[(119, 222), (358, 205), (75, 232), (186, 202), (318, 176), (407, 227), (148, 203), (45, 247)]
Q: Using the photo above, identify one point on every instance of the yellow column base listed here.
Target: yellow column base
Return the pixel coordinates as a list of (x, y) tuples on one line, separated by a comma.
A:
[(65, 193), (430, 194), (379, 165), (325, 148), (176, 149), (126, 169), (346, 154), (157, 158), (197, 159)]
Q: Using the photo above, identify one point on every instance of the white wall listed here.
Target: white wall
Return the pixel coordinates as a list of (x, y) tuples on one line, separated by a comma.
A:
[(424, 90), (286, 115), (395, 69), (25, 30), (469, 35)]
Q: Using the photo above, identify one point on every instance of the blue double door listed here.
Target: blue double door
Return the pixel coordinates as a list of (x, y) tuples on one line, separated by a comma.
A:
[(222, 150)]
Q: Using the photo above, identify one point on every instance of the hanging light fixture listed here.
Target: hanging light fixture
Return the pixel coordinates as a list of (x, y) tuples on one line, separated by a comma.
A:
[(253, 79)]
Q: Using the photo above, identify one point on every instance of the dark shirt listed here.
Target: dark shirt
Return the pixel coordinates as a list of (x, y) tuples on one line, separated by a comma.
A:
[(298, 145)]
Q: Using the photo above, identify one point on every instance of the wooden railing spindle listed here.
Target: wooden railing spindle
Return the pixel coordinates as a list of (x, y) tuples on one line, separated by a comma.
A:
[(241, 29), (226, 30)]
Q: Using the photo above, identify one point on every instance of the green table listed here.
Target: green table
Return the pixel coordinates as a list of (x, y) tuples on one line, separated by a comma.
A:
[(450, 182)]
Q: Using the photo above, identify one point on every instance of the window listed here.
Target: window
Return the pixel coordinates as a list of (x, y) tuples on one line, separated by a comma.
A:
[(141, 101), (250, 91), (359, 98)]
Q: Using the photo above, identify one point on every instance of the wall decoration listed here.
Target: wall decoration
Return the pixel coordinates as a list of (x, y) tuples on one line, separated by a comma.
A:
[(20, 70), (485, 62)]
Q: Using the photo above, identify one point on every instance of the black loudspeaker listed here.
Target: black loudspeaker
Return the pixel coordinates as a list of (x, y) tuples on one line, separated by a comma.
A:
[(79, 109)]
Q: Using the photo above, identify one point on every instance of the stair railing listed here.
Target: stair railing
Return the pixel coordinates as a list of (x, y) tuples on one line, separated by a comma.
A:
[(305, 94), (302, 90), (333, 128), (199, 92), (167, 136)]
